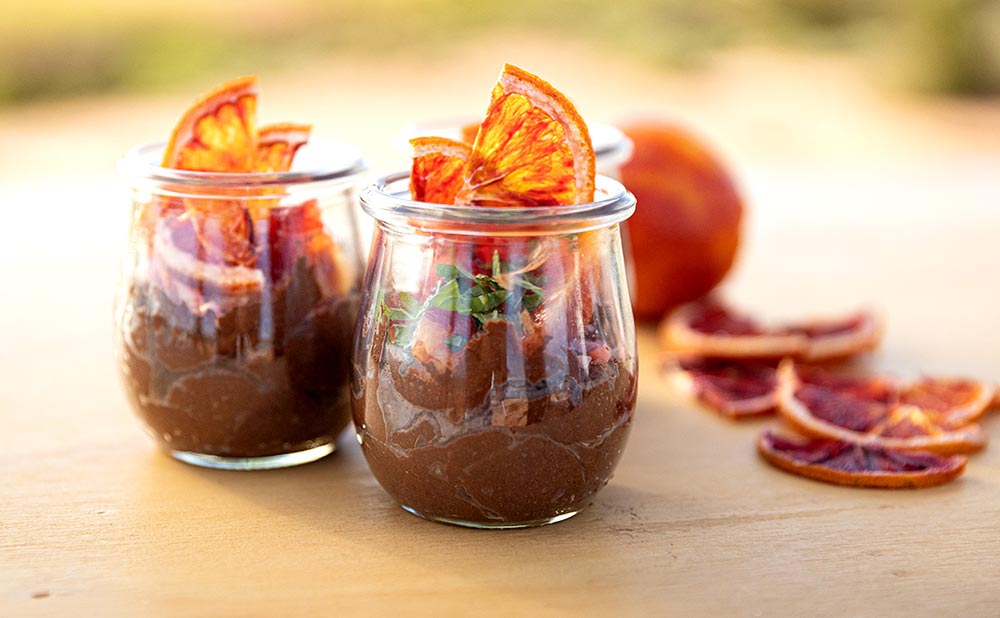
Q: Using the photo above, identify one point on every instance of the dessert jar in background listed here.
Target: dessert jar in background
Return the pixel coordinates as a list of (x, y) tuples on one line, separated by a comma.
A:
[(494, 363), (236, 306)]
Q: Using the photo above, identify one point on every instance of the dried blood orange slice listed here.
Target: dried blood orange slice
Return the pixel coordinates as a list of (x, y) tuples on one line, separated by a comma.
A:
[(532, 149), (858, 465), (277, 145), (219, 132), (438, 169), (840, 338), (878, 410), (709, 328), (737, 389), (961, 400)]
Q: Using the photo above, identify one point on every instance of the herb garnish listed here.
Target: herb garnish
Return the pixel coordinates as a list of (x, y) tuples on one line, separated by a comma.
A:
[(482, 297)]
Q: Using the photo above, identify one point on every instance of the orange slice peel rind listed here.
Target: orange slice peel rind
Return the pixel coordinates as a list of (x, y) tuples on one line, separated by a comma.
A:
[(218, 133), (531, 149), (870, 412), (858, 465), (277, 145), (710, 329), (438, 169)]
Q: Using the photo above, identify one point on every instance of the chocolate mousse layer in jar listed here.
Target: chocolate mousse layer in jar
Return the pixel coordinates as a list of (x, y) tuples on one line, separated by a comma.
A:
[(494, 366), (237, 304)]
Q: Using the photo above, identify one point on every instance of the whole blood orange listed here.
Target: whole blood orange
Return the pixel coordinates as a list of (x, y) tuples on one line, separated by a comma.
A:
[(686, 227)]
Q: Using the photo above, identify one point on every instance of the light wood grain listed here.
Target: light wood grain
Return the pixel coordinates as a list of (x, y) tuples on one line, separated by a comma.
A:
[(95, 517), (95, 521)]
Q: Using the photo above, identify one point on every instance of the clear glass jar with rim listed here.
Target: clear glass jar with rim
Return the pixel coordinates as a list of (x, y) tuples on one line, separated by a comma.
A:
[(236, 306), (495, 363)]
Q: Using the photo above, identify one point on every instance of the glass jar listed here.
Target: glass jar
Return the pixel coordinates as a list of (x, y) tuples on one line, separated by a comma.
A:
[(612, 150), (495, 363), (236, 306)]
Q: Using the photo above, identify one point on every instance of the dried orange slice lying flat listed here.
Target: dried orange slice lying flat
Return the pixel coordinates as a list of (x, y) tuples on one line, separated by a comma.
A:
[(277, 145), (876, 410), (438, 169), (859, 465), (532, 149), (736, 389), (219, 132), (960, 400), (710, 329)]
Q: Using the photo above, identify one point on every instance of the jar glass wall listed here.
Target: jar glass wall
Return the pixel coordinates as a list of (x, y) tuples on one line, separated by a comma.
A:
[(494, 365), (236, 307)]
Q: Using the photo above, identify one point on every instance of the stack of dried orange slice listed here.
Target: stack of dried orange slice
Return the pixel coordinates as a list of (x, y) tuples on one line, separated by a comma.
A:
[(863, 429), (531, 149), (219, 133)]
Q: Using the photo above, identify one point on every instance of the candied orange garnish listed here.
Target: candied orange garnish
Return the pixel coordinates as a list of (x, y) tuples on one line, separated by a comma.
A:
[(533, 148), (219, 132), (438, 169), (277, 145)]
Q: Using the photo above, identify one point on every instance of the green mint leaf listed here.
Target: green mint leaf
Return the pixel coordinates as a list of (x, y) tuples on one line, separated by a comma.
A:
[(410, 304), (523, 283), (402, 333), (456, 341), (448, 297), (396, 314), (481, 296), (452, 271)]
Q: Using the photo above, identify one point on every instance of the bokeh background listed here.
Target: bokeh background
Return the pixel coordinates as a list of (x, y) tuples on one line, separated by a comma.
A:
[(865, 135)]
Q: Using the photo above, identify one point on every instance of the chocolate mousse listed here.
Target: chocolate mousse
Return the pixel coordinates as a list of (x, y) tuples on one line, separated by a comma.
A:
[(492, 417), (244, 353)]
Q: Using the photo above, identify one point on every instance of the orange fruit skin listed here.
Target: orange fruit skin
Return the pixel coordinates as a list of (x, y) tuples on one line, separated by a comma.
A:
[(438, 169), (277, 145), (218, 133), (686, 228), (947, 469)]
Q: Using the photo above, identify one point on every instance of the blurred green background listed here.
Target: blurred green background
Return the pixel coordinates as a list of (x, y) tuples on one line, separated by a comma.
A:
[(63, 48)]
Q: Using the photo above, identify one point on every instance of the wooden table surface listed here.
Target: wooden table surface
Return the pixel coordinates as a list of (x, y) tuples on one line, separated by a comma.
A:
[(95, 521)]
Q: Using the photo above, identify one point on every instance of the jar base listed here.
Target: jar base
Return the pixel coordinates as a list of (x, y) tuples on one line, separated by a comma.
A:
[(267, 462), (492, 526)]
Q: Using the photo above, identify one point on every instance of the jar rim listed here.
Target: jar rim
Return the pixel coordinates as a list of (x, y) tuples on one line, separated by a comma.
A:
[(389, 203), (142, 163)]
